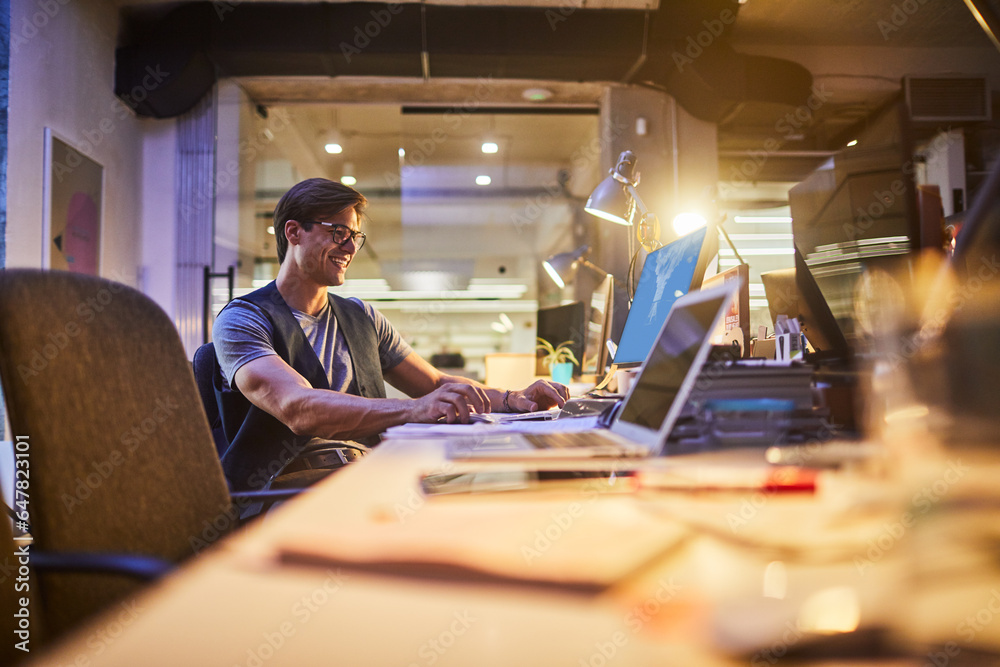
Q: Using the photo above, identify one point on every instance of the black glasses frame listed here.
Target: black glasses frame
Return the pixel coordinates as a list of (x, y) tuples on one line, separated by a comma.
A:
[(347, 233)]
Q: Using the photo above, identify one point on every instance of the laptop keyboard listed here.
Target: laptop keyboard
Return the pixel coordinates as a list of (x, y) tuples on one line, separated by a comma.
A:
[(556, 439)]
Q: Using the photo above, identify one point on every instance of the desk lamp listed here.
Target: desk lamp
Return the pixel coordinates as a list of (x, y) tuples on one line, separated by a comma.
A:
[(563, 265), (615, 199)]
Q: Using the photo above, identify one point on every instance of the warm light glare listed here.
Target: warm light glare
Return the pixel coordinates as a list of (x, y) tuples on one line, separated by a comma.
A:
[(483, 179), (490, 147), (852, 142), (687, 222), (907, 414), (759, 251), (775, 580), (556, 278), (333, 149), (830, 611), (753, 219), (348, 180)]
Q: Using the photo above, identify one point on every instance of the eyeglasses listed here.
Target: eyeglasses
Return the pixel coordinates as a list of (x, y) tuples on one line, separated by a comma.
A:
[(341, 233)]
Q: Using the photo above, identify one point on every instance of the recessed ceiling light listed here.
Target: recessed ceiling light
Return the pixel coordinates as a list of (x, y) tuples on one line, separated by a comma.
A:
[(483, 179), (537, 94), (490, 147), (348, 180), (333, 149), (402, 152)]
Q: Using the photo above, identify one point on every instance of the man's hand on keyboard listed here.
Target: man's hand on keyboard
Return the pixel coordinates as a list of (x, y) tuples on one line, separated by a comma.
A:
[(451, 402), (540, 395)]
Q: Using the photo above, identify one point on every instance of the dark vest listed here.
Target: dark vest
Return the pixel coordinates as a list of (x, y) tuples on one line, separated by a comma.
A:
[(259, 444)]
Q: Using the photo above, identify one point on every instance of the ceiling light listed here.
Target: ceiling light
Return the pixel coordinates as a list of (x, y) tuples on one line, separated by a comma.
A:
[(537, 94), (333, 149), (490, 147), (402, 152), (483, 179), (348, 180), (852, 142)]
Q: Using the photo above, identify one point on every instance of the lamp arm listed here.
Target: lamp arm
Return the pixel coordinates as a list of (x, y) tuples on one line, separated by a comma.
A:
[(641, 205), (722, 228), (595, 268)]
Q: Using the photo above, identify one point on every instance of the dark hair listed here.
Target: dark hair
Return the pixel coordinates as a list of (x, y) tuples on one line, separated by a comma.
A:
[(313, 199)]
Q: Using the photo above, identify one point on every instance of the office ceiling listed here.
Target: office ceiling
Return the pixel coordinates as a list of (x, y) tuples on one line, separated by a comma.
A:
[(756, 63), (758, 68)]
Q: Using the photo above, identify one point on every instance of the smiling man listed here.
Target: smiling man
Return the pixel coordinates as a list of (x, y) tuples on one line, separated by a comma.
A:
[(303, 370)]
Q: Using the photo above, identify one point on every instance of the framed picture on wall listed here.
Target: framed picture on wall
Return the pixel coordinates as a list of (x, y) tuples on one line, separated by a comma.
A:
[(74, 188)]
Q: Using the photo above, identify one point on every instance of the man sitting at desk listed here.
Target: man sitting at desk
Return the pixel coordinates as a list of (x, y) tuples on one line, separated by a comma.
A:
[(300, 365)]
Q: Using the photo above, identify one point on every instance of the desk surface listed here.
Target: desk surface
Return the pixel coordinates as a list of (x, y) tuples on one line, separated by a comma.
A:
[(727, 578)]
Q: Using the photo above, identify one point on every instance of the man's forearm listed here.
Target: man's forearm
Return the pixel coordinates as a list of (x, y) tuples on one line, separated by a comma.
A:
[(338, 416)]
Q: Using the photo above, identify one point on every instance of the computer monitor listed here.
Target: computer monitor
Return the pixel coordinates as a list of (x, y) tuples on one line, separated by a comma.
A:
[(558, 324), (596, 355), (668, 273), (857, 212), (795, 294)]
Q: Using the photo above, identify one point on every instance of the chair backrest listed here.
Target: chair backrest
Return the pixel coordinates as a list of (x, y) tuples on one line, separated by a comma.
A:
[(121, 457), (206, 369)]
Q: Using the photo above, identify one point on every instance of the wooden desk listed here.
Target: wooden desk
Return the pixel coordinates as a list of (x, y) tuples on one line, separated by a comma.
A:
[(739, 585)]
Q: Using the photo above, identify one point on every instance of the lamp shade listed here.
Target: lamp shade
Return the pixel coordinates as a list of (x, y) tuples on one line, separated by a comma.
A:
[(561, 266), (612, 199), (609, 201)]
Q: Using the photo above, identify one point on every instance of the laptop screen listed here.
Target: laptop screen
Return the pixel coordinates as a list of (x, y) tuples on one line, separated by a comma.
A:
[(675, 360), (666, 275)]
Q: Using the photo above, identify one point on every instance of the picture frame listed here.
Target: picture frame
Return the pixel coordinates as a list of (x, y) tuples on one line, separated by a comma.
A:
[(72, 209)]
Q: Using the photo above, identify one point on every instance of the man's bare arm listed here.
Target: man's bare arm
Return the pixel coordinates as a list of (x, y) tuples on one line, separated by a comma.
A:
[(275, 387), (415, 377)]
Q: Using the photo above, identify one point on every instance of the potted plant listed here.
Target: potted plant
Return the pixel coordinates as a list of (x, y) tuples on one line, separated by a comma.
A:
[(558, 359)]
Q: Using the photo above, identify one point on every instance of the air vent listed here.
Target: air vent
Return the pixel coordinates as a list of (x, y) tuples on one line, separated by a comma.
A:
[(947, 99)]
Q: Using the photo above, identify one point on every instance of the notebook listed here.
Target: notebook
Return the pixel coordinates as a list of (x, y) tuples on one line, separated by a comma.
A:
[(647, 414)]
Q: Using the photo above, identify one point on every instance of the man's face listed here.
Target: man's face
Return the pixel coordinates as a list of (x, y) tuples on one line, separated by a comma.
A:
[(319, 257)]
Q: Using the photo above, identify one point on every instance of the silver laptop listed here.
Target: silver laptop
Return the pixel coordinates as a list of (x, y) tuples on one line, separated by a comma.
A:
[(642, 424)]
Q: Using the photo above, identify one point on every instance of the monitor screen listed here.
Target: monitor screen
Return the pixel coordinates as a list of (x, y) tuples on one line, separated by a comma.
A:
[(559, 324), (667, 274)]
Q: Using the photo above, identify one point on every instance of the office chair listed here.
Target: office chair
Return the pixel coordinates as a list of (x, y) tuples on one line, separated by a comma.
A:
[(121, 454), (206, 374), (205, 366)]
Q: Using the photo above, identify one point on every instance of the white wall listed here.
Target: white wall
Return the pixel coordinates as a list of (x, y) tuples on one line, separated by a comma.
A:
[(159, 212), (61, 76)]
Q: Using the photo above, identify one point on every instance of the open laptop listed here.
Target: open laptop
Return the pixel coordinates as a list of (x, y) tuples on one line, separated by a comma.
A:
[(642, 424)]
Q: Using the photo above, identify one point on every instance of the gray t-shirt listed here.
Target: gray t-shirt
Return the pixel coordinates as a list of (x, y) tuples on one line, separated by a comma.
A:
[(242, 333)]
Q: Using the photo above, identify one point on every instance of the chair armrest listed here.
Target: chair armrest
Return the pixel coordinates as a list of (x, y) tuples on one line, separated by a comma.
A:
[(268, 495), (141, 567)]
